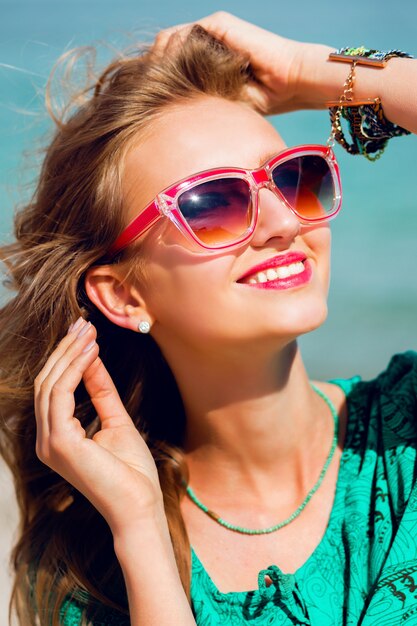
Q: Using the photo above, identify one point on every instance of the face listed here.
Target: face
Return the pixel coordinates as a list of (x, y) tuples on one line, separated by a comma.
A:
[(207, 300)]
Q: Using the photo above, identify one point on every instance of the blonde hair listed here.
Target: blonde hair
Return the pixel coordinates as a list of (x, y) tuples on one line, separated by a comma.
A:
[(64, 548)]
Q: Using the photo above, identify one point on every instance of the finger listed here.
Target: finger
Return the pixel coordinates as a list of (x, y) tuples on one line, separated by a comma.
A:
[(70, 347), (105, 397), (253, 42), (219, 24), (239, 35), (39, 383), (59, 351), (61, 404), (164, 38), (232, 30)]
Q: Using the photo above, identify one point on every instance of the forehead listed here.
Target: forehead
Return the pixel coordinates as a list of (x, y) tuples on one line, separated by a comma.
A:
[(193, 136)]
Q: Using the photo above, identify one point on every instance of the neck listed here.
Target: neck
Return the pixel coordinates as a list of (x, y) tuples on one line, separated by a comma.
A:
[(250, 422)]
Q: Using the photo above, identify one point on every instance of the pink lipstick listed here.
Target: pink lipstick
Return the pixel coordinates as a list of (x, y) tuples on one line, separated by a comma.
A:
[(281, 272)]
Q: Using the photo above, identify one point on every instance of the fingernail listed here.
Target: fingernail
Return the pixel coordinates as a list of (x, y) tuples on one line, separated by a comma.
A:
[(89, 346), (75, 325), (84, 330)]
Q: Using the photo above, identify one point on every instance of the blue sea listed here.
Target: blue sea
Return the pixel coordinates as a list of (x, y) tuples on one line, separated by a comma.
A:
[(373, 297)]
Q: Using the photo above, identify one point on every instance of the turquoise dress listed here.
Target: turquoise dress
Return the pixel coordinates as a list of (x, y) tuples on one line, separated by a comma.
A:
[(364, 570)]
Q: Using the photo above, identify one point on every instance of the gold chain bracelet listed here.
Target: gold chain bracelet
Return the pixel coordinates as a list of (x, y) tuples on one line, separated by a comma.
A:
[(368, 127)]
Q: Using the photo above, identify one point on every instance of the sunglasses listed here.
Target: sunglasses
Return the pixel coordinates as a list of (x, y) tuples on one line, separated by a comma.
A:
[(218, 208)]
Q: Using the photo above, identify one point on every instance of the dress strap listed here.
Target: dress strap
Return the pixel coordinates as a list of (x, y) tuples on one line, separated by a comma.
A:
[(346, 384)]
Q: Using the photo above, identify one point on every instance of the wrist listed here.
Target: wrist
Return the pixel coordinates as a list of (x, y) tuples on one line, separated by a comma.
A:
[(145, 548), (147, 560), (136, 526), (315, 84), (140, 538), (321, 81)]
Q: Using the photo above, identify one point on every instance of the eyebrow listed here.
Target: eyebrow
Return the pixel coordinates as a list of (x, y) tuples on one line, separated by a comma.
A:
[(267, 156)]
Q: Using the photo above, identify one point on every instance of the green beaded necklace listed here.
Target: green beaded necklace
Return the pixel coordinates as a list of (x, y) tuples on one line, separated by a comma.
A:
[(271, 529)]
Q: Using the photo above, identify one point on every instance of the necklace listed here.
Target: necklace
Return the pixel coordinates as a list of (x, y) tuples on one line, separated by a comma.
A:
[(271, 529)]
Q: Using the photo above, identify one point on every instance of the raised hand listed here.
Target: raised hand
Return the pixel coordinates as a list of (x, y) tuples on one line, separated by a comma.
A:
[(114, 469), (279, 64), (291, 75)]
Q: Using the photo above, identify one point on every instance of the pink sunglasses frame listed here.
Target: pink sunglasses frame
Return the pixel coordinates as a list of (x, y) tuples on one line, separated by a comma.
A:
[(165, 203)]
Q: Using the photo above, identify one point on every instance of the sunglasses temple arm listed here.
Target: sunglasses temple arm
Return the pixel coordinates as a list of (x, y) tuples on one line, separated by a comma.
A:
[(137, 227)]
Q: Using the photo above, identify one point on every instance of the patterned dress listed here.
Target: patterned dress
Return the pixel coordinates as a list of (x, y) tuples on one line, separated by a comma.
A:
[(364, 570)]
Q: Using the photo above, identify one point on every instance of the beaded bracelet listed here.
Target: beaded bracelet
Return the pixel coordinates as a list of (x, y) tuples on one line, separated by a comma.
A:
[(368, 127)]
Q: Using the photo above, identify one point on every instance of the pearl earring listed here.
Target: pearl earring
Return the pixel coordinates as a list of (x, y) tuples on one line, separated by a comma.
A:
[(144, 326)]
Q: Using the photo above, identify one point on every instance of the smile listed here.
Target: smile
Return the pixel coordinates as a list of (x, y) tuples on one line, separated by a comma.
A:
[(279, 272), (282, 272)]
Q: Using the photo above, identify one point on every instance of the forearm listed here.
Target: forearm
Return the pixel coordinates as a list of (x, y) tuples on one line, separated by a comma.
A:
[(155, 593), (321, 81)]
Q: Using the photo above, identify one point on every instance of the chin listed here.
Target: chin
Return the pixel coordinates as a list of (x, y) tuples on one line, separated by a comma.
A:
[(307, 317), (314, 324)]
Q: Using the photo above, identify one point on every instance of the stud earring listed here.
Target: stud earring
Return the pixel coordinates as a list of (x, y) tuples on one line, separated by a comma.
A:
[(144, 326)]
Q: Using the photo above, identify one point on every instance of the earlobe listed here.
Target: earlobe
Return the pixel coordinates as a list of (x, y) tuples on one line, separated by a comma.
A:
[(116, 298)]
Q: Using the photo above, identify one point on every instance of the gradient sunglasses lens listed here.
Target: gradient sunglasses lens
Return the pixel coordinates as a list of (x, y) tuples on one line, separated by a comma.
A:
[(218, 211), (306, 183)]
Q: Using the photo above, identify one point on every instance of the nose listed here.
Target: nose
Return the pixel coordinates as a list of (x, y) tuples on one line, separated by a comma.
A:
[(275, 220)]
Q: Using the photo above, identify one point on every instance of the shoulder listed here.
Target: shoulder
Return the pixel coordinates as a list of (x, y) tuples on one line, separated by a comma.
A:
[(393, 396), (381, 442), (395, 399), (400, 377), (383, 411), (393, 390)]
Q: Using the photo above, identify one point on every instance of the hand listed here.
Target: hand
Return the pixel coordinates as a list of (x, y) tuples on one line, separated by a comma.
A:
[(280, 65), (114, 469)]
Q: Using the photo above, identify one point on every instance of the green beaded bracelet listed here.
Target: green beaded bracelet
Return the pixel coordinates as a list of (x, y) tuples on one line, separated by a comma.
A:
[(368, 127)]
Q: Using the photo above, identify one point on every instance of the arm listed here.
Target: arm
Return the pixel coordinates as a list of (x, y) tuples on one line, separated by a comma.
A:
[(155, 593), (321, 81), (115, 471), (292, 75)]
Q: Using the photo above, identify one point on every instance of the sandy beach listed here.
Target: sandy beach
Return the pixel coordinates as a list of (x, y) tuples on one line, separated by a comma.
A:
[(8, 522)]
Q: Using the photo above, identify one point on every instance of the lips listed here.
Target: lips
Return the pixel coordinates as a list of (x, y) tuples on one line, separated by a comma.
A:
[(292, 259)]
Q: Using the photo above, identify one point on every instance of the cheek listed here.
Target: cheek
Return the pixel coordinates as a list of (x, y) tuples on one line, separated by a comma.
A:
[(183, 289), (188, 306), (323, 250), (318, 240)]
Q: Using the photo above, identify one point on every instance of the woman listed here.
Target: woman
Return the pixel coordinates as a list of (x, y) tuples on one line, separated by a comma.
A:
[(199, 401)]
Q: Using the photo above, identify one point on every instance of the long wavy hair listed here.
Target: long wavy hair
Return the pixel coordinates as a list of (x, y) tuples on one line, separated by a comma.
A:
[(64, 548)]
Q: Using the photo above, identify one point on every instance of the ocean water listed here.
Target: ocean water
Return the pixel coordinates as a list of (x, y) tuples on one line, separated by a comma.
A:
[(373, 296)]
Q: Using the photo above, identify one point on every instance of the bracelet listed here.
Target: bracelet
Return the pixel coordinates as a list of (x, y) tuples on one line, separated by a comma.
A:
[(368, 127)]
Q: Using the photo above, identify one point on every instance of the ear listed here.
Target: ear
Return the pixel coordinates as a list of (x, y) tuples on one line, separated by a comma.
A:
[(116, 297)]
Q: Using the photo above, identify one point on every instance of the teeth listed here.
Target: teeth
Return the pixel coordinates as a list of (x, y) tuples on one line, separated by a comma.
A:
[(271, 274), (284, 271)]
